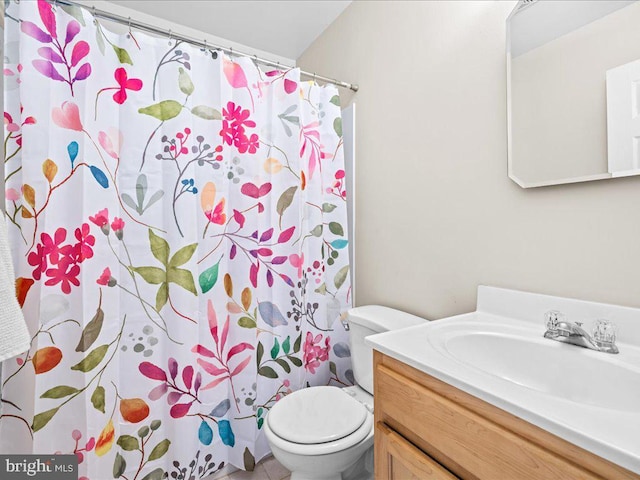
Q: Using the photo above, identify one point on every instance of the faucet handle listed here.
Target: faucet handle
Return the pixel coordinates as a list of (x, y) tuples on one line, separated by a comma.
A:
[(604, 331), (553, 318)]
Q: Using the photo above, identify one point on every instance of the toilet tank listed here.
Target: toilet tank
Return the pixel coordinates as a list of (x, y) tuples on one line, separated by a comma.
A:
[(369, 320)]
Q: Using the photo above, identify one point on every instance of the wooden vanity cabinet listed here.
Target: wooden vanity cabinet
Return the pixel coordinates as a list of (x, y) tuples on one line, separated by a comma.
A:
[(427, 429)]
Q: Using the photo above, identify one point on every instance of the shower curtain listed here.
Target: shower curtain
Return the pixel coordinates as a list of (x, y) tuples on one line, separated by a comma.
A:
[(178, 229)]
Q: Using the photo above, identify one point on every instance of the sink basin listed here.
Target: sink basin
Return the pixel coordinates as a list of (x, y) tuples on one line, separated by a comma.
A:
[(499, 355), (557, 369)]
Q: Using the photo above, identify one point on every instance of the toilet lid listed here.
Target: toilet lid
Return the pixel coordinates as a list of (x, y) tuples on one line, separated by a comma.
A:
[(316, 415)]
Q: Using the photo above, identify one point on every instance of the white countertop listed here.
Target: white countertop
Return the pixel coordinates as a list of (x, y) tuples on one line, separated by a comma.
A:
[(612, 433)]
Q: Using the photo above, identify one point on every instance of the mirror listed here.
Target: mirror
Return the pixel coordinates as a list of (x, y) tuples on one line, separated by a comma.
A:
[(573, 91)]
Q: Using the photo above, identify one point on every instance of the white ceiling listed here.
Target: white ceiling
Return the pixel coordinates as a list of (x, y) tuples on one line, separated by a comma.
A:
[(283, 27)]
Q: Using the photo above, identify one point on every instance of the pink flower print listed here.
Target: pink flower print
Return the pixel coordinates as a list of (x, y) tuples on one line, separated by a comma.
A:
[(240, 117), (314, 353), (228, 132), (297, 261), (338, 187), (67, 116), (65, 274), (233, 129), (38, 259), (9, 124), (85, 242), (106, 278), (110, 141), (101, 219), (244, 144), (12, 194), (53, 246), (117, 226), (215, 214), (124, 83)]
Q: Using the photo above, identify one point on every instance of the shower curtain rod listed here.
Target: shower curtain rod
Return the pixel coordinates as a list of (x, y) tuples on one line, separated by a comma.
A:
[(96, 12)]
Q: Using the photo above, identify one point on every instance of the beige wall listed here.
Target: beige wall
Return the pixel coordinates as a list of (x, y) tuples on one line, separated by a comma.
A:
[(436, 213)]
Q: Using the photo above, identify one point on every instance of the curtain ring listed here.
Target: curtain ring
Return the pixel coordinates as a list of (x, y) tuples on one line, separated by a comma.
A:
[(129, 24), (170, 36), (314, 76)]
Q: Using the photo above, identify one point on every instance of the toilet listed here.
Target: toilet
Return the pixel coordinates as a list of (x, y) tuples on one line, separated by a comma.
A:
[(326, 432)]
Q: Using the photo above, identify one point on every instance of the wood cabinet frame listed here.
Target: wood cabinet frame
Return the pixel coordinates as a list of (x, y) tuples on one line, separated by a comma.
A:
[(422, 421)]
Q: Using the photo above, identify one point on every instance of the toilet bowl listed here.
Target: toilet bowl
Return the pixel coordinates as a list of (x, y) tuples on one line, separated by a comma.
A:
[(326, 432), (321, 432)]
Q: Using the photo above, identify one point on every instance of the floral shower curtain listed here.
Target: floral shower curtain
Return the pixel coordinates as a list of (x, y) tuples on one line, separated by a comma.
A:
[(178, 227)]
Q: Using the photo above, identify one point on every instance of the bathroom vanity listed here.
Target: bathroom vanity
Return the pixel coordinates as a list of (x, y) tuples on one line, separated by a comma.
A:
[(485, 396)]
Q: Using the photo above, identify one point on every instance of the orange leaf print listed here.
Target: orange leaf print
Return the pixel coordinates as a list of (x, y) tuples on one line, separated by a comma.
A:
[(46, 359), (105, 440), (134, 410), (22, 288)]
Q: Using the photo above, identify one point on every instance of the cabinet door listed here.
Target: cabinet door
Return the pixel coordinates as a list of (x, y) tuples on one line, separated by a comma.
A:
[(398, 459)]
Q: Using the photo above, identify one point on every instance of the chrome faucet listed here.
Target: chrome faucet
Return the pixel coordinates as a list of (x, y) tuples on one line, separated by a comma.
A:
[(561, 330)]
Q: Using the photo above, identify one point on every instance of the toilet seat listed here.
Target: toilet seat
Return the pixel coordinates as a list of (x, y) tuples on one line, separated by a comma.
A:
[(317, 421), (316, 415)]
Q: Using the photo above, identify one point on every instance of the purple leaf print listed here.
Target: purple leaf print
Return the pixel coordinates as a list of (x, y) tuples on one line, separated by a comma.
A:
[(80, 50), (287, 280), (198, 382), (152, 371), (239, 218), (187, 376), (58, 53), (48, 17), (31, 29), (179, 410), (47, 69), (174, 397), (83, 72), (173, 368), (73, 28), (48, 54), (266, 235), (253, 274), (279, 260), (286, 235), (157, 392)]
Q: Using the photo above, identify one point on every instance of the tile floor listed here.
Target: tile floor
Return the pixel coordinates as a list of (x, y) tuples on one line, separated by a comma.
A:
[(267, 469)]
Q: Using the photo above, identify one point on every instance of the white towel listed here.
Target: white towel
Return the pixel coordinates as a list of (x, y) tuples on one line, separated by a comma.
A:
[(14, 336)]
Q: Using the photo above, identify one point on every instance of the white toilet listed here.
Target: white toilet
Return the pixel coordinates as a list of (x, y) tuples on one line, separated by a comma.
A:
[(327, 432)]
